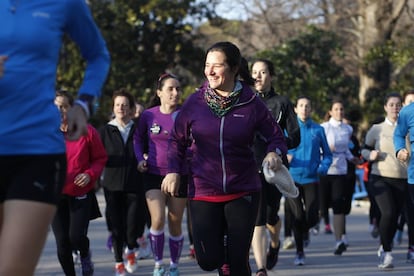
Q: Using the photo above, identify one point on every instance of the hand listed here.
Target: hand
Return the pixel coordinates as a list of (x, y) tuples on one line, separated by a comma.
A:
[(77, 123), (373, 155), (403, 155), (82, 179), (273, 161), (356, 161), (2, 60), (289, 157), (142, 166), (170, 184)]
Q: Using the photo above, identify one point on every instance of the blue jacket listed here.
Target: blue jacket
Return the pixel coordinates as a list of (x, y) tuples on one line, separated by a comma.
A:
[(31, 35), (223, 160), (312, 157), (405, 125)]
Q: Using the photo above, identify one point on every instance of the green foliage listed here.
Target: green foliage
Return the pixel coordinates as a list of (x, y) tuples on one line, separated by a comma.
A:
[(306, 65), (145, 39), (390, 65)]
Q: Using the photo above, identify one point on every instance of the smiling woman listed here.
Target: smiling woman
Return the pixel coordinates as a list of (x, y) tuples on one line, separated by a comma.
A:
[(220, 121)]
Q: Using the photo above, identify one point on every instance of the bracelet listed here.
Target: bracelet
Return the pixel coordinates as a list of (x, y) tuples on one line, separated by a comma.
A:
[(84, 106)]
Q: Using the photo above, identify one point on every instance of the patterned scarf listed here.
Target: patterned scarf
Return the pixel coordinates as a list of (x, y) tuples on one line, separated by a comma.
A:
[(221, 105)]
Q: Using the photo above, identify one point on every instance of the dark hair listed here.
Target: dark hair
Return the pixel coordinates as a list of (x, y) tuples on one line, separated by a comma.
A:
[(163, 77), (155, 100), (66, 94), (268, 63), (392, 95), (233, 59), (302, 97), (406, 93), (122, 92)]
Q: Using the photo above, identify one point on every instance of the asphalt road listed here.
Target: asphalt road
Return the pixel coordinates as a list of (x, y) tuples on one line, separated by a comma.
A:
[(359, 259)]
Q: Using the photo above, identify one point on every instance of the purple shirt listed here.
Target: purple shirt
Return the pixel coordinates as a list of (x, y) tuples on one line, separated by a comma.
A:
[(151, 137)]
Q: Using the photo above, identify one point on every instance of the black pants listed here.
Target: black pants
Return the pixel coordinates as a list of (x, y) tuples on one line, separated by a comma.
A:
[(305, 211), (126, 220), (332, 193), (70, 227), (211, 221), (390, 195), (269, 204)]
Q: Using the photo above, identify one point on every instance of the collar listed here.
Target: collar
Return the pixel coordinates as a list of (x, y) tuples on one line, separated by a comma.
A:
[(388, 122), (334, 122)]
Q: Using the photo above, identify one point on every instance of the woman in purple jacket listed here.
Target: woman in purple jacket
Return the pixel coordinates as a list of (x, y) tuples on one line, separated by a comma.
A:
[(221, 120)]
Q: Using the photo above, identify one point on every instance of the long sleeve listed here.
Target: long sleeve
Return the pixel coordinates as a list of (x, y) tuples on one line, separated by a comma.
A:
[(83, 30), (97, 155)]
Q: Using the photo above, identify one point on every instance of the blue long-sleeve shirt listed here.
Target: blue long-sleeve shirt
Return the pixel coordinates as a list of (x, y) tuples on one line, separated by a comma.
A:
[(312, 157), (405, 125), (31, 36)]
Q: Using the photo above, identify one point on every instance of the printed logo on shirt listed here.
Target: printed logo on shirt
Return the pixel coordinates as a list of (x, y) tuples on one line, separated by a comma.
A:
[(41, 14), (238, 115), (155, 129)]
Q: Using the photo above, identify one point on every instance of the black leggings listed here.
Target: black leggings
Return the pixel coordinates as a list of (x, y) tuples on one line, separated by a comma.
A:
[(390, 195), (269, 204), (211, 221), (126, 220), (305, 211), (332, 192), (70, 227)]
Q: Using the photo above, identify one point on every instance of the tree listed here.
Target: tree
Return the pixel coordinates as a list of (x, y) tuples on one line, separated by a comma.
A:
[(145, 39), (306, 65), (375, 35)]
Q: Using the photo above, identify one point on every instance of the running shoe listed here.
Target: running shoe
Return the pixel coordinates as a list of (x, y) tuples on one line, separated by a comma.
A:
[(300, 258), (87, 265), (144, 248), (173, 271), (75, 256), (261, 272), (272, 256), (158, 271), (315, 230), (328, 229), (386, 262), (191, 253), (131, 263), (224, 270), (288, 243), (410, 255), (340, 248), (120, 269)]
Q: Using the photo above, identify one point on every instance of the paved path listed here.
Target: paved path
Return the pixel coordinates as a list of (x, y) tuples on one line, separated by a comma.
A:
[(360, 259)]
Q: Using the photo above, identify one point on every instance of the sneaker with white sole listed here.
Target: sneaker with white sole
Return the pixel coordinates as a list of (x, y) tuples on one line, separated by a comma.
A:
[(144, 250), (158, 271), (120, 269), (340, 248), (288, 243), (131, 263), (386, 262)]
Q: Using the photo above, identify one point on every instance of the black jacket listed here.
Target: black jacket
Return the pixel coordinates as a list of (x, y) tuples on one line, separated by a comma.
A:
[(283, 112), (120, 172)]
